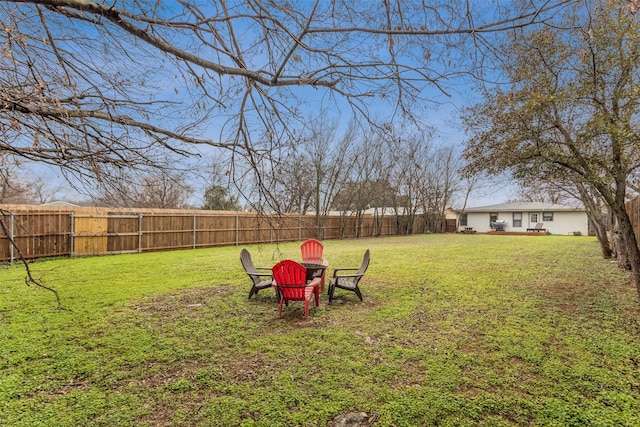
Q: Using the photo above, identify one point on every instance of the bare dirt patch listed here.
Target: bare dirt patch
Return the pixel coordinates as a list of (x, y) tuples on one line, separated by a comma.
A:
[(190, 298)]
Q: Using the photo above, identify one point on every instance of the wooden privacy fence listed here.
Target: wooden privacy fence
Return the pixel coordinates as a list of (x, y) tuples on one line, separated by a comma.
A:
[(633, 210), (48, 232)]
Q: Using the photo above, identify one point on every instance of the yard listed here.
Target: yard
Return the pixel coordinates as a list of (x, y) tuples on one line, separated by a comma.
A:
[(459, 330)]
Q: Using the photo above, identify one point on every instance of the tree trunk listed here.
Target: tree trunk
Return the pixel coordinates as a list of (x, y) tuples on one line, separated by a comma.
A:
[(619, 251), (629, 244), (594, 213), (603, 239)]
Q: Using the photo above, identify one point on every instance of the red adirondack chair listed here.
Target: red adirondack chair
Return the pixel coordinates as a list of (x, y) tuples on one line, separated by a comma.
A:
[(290, 278), (312, 253)]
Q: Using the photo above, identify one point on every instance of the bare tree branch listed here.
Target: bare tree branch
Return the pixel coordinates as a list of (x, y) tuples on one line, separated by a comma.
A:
[(29, 279), (90, 86)]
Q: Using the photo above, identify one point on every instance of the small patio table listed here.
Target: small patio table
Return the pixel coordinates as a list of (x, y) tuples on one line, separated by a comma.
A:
[(314, 270)]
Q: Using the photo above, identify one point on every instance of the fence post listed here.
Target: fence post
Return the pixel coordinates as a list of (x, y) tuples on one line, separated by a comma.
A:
[(375, 224), (194, 231), (299, 228), (237, 229), (139, 233), (11, 236), (72, 233)]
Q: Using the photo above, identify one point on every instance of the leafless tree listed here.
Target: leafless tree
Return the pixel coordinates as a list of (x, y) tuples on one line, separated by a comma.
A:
[(469, 184), (438, 186), (219, 193), (311, 170), (327, 154), (20, 184), (153, 190), (366, 179), (45, 189), (426, 180), (409, 157), (93, 86), (289, 183), (13, 188), (542, 191)]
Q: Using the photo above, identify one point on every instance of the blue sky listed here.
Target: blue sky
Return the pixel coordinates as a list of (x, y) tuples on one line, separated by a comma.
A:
[(442, 115)]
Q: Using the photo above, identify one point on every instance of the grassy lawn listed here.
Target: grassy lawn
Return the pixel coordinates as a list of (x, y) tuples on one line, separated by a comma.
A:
[(460, 330)]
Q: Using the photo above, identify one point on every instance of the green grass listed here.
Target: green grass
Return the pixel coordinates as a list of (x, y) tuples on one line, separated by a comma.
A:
[(459, 330)]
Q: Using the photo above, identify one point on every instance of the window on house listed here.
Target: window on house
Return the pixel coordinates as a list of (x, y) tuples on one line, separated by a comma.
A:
[(463, 220), (517, 219), (547, 216)]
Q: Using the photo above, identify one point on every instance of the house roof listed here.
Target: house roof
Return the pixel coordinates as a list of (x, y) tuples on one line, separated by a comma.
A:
[(526, 207)]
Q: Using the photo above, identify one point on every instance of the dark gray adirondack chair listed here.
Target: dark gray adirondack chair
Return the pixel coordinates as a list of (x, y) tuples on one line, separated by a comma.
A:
[(348, 282), (260, 276)]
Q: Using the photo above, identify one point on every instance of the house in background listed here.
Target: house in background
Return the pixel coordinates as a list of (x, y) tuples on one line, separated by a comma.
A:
[(520, 216)]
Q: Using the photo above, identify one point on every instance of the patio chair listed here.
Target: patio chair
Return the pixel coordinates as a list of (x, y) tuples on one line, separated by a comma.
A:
[(311, 251), (290, 279), (348, 282), (537, 228), (260, 276)]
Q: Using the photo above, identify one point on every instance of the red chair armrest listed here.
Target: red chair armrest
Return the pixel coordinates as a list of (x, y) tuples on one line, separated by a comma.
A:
[(315, 282)]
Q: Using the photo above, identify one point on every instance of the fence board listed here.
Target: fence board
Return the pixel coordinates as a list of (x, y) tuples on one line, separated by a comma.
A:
[(90, 235), (36, 234), (633, 210)]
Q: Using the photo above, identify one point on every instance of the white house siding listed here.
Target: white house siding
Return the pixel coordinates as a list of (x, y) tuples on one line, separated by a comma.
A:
[(565, 222), (479, 221), (568, 223)]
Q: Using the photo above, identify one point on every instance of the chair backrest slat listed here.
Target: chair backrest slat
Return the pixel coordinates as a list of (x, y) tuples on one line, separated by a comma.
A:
[(311, 250), (247, 262), (249, 268), (365, 262), (291, 279)]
